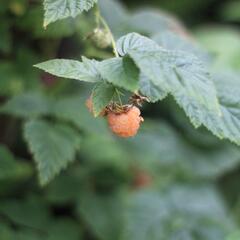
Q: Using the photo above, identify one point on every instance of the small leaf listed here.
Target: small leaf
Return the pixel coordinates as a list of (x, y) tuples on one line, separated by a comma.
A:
[(121, 72), (83, 71), (53, 146), (101, 96), (60, 9)]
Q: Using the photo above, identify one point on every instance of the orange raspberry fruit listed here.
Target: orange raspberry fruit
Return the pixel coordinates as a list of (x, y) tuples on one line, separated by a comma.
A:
[(89, 104), (125, 124)]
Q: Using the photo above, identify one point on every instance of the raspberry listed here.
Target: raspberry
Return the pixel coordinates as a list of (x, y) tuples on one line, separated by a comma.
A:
[(89, 104), (125, 124)]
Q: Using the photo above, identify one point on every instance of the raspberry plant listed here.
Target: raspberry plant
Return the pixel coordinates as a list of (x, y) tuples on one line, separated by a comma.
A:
[(164, 178)]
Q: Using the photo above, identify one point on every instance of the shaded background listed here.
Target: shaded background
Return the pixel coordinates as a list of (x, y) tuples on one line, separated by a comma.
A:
[(115, 189)]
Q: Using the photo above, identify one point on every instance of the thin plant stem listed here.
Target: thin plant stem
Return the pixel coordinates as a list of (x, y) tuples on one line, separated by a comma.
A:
[(99, 19), (119, 96)]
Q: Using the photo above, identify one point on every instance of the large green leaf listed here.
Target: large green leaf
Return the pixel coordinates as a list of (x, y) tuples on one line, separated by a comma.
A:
[(150, 90), (175, 72), (83, 71), (172, 41), (181, 212), (115, 14), (53, 147), (102, 95), (31, 212), (151, 21), (122, 72), (223, 43), (59, 9), (228, 125), (104, 214)]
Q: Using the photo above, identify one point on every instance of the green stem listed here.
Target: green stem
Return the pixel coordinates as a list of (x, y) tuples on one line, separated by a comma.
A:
[(119, 96), (105, 25)]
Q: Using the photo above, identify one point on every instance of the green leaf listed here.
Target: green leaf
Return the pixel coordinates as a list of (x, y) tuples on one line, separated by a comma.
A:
[(53, 147), (115, 14), (32, 18), (121, 72), (228, 125), (104, 214), (187, 161), (223, 43), (63, 229), (102, 95), (60, 9), (110, 152), (10, 168), (148, 89), (180, 212), (230, 11), (6, 232), (172, 41), (67, 183), (174, 72), (77, 113), (27, 105), (151, 21), (234, 236), (133, 41), (83, 71), (30, 211), (6, 40)]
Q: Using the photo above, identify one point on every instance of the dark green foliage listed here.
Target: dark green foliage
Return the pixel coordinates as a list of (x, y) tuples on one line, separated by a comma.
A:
[(176, 180)]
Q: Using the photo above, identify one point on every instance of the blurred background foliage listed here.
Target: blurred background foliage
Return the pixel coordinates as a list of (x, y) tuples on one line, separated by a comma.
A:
[(171, 182)]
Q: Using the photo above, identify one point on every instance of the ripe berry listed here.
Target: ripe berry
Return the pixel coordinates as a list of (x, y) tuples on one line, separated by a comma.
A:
[(89, 104), (125, 124)]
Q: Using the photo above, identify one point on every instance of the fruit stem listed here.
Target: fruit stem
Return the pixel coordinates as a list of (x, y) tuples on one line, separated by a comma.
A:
[(99, 19), (119, 96)]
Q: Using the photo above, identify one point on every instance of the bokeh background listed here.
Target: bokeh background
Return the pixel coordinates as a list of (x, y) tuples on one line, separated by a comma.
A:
[(171, 182)]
